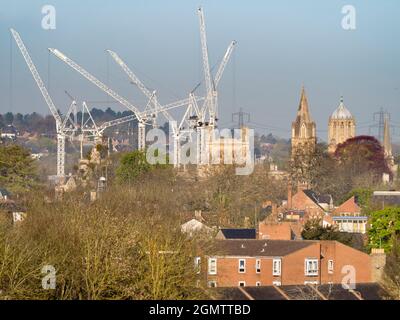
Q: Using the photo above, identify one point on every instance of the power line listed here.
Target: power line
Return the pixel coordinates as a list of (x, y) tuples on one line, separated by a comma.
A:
[(379, 119), (241, 117)]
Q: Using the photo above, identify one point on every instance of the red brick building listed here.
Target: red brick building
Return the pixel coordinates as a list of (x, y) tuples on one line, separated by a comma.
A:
[(231, 263), (309, 202), (275, 231)]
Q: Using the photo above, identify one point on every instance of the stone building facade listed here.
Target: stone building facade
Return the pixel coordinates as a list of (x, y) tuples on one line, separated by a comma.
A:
[(341, 126), (303, 128)]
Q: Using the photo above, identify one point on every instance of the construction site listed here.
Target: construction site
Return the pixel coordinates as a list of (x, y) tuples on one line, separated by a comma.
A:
[(195, 117)]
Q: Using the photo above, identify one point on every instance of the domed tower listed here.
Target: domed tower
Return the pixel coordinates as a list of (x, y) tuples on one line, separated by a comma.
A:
[(303, 128), (341, 126)]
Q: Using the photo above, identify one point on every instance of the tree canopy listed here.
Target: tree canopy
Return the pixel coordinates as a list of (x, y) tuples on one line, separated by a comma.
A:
[(385, 224), (362, 154), (357, 164), (391, 278), (132, 165), (17, 168), (314, 230)]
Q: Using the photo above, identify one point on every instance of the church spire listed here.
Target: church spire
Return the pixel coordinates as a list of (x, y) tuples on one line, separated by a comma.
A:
[(387, 144), (303, 113)]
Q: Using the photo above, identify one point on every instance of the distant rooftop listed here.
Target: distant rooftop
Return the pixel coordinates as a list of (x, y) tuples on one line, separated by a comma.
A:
[(239, 233), (266, 248)]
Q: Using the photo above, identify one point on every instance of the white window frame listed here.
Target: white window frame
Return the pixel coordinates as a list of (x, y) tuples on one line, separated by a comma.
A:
[(244, 283), (212, 284), (212, 270), (197, 264), (276, 283), (331, 266), (310, 271), (244, 266), (276, 271), (258, 284), (258, 265)]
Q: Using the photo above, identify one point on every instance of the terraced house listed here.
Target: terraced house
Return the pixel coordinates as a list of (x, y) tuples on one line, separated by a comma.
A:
[(231, 263)]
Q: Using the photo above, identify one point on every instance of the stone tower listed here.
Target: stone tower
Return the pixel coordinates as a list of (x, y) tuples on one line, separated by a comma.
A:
[(303, 128), (341, 126), (387, 147)]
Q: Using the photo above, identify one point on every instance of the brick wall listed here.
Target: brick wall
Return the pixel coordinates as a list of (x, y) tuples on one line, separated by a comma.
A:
[(228, 272), (293, 266), (293, 272), (274, 231)]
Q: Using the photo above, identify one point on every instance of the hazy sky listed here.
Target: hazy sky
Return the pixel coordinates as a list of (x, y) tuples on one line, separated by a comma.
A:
[(281, 46)]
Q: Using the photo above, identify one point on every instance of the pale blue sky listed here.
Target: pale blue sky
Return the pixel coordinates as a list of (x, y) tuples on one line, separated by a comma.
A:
[(281, 45)]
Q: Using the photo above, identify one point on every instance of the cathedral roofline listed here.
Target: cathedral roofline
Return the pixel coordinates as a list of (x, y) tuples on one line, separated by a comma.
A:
[(341, 112)]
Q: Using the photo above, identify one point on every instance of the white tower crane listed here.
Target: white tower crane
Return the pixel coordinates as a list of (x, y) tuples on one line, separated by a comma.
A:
[(152, 96), (209, 102), (142, 117), (210, 105), (62, 128), (110, 92)]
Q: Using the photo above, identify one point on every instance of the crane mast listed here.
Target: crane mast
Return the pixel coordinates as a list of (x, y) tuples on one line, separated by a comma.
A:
[(37, 77), (60, 125), (209, 103)]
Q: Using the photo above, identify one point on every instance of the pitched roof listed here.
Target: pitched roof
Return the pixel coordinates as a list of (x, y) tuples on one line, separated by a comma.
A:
[(316, 198), (265, 248), (193, 226), (349, 206), (239, 233)]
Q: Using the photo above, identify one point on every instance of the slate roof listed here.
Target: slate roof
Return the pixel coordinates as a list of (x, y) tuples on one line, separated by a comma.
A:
[(257, 248), (368, 291), (324, 198), (317, 198), (312, 195), (387, 198), (239, 233), (300, 292)]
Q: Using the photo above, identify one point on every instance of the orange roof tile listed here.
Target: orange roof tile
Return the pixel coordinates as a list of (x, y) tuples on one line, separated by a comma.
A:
[(349, 206)]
